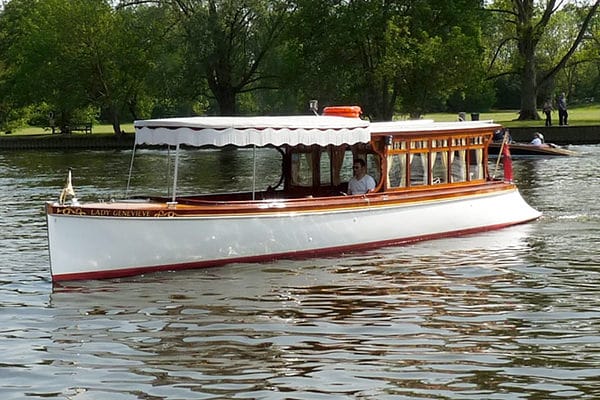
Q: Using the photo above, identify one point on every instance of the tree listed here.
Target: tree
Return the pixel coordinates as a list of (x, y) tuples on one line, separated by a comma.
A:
[(226, 44), (121, 47), (39, 62), (528, 22), (447, 56), (75, 56), (389, 56), (587, 83)]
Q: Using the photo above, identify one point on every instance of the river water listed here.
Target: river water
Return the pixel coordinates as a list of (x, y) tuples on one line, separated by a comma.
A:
[(511, 314)]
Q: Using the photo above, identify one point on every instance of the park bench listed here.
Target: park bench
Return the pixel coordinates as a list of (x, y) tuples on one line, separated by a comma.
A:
[(79, 127)]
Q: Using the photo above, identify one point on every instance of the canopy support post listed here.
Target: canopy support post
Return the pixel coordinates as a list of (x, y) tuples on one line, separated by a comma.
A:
[(175, 173), (130, 171), (253, 172), (168, 171)]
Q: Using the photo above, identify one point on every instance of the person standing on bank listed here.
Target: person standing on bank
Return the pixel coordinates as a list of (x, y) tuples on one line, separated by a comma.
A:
[(361, 182), (547, 109), (562, 109)]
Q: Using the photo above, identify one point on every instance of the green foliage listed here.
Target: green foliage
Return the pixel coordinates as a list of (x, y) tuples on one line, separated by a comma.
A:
[(226, 43), (76, 56), (88, 59), (12, 118), (37, 47), (476, 98), (388, 56)]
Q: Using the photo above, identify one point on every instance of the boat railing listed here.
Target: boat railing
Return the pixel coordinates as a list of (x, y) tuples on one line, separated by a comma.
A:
[(213, 198), (290, 198)]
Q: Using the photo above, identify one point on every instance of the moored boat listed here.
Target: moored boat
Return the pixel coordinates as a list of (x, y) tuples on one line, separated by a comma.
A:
[(431, 181), (528, 150)]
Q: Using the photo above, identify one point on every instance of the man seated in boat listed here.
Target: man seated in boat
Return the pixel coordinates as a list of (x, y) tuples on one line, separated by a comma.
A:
[(501, 134), (361, 182), (498, 135), (538, 139)]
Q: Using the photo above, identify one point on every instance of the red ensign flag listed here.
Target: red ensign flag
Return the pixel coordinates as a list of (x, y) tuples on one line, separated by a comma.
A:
[(507, 163)]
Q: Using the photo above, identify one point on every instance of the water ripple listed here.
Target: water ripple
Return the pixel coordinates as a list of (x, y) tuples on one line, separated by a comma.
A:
[(511, 314)]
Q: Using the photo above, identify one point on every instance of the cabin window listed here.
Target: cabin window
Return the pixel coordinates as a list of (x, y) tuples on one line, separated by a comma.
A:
[(371, 159), (418, 169), (373, 166), (418, 163), (346, 169), (398, 145), (396, 165), (397, 170), (336, 155), (476, 168), (458, 162), (459, 142), (325, 169), (439, 161), (418, 144), (302, 169), (478, 140), (439, 167), (436, 143)]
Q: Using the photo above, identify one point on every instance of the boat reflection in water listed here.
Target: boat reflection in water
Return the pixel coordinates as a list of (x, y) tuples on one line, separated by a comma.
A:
[(337, 326), (432, 181)]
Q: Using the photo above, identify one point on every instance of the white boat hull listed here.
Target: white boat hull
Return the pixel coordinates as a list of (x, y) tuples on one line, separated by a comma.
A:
[(88, 247)]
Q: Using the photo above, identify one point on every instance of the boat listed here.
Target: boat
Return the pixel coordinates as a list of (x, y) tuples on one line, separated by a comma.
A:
[(432, 181), (528, 150)]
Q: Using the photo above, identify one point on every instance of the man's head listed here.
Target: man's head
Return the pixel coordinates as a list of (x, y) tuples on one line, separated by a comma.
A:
[(359, 167)]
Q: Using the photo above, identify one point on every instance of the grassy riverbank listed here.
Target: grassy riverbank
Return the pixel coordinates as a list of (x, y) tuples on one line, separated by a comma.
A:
[(578, 116), (586, 115), (99, 129)]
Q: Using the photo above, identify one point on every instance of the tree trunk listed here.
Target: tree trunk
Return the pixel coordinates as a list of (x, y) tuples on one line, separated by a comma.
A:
[(529, 90), (132, 106), (225, 97), (116, 121), (220, 84), (379, 101), (527, 45)]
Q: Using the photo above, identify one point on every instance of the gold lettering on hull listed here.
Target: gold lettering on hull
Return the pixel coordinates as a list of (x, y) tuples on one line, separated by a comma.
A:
[(130, 213), (70, 211), (94, 212)]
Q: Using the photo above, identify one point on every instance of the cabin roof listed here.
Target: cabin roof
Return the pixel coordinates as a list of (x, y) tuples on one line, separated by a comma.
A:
[(428, 125), (259, 131)]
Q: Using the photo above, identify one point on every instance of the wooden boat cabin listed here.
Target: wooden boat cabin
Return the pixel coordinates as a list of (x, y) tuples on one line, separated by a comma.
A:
[(401, 156)]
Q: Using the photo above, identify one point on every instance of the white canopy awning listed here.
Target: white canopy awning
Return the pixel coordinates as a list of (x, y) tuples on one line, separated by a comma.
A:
[(258, 131)]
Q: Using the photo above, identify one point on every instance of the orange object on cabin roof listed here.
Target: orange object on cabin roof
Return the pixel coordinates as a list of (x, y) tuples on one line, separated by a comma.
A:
[(343, 111)]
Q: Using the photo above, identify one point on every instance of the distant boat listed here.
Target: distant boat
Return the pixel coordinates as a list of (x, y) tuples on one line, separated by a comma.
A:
[(527, 150), (431, 181)]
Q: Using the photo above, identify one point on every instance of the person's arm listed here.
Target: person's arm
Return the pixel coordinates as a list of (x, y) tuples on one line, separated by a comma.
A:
[(371, 184)]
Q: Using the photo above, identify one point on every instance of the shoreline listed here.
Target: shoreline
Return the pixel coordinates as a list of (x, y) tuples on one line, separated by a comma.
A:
[(561, 135), (67, 142)]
